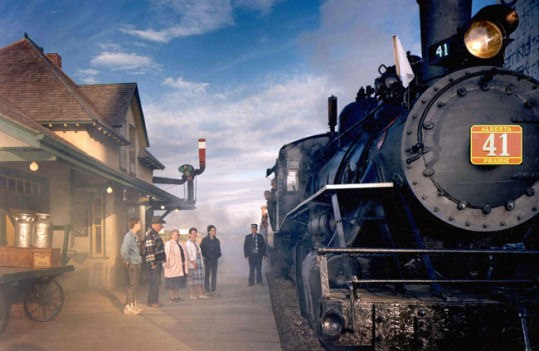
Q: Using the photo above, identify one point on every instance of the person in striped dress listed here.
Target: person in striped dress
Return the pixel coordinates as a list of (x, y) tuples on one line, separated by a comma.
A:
[(196, 266)]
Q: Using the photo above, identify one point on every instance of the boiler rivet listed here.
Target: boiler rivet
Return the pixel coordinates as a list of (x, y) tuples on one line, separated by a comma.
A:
[(414, 182), (461, 92), (428, 125), (534, 209), (408, 132), (485, 225), (436, 209), (428, 172), (423, 101), (467, 223), (510, 205), (424, 197), (487, 209), (530, 191), (451, 218), (441, 104), (502, 224), (519, 217), (414, 116), (462, 205), (509, 89)]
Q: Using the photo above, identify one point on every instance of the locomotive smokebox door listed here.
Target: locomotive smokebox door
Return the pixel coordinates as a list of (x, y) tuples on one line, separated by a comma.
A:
[(469, 149)]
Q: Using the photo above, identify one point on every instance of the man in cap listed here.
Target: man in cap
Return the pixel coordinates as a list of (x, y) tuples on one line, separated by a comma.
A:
[(154, 253), (254, 249)]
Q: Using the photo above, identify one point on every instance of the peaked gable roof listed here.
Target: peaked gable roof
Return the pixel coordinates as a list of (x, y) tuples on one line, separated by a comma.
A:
[(30, 81), (113, 100)]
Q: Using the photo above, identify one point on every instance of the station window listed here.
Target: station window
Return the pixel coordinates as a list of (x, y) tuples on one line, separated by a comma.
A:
[(98, 234), (12, 184), (132, 145), (20, 186)]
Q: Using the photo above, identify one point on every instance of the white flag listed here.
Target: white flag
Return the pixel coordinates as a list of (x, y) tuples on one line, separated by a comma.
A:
[(404, 70)]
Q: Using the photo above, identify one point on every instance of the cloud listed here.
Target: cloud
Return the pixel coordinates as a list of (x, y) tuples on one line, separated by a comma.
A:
[(87, 76), (186, 86), (190, 18), (124, 61), (262, 6), (349, 47), (244, 127)]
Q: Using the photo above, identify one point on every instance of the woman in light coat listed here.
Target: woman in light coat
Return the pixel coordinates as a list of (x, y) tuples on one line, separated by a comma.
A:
[(196, 266), (175, 267)]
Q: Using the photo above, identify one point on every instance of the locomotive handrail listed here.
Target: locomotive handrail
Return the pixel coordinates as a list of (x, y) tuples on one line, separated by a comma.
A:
[(331, 189), (322, 251), (445, 281)]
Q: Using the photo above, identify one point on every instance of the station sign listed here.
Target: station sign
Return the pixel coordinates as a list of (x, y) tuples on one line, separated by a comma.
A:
[(496, 145)]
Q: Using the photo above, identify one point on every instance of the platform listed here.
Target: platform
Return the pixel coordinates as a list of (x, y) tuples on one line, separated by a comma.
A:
[(240, 318)]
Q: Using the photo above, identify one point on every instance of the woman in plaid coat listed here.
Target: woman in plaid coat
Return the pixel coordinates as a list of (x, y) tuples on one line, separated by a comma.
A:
[(196, 266)]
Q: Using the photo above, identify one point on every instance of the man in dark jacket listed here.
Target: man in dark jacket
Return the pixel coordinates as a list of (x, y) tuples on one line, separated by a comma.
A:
[(211, 251), (254, 249), (154, 253)]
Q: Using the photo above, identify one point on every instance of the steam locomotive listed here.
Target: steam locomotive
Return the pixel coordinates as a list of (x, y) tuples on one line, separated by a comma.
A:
[(413, 225)]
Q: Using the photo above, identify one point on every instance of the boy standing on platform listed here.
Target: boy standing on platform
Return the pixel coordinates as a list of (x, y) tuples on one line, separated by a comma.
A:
[(131, 256), (211, 251), (254, 249)]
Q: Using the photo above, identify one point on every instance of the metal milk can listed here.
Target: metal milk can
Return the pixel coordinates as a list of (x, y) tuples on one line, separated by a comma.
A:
[(24, 228), (42, 237)]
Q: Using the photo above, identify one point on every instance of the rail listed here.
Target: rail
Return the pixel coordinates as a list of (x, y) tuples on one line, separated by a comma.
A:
[(324, 277)]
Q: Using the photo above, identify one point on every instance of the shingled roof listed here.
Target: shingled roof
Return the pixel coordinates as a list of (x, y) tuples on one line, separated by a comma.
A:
[(113, 100), (30, 81)]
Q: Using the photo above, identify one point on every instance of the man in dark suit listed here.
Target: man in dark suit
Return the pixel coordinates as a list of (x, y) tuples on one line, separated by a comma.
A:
[(254, 249)]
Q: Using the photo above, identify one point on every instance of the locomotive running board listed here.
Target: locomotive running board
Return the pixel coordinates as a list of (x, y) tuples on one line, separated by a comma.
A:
[(331, 191)]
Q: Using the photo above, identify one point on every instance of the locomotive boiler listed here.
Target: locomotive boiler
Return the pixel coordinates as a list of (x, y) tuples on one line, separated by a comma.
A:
[(412, 224)]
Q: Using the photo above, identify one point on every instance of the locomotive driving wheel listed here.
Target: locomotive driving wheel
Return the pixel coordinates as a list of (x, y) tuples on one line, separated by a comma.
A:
[(4, 316), (45, 301)]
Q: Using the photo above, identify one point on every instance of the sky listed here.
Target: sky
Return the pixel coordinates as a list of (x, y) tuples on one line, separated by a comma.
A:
[(247, 75)]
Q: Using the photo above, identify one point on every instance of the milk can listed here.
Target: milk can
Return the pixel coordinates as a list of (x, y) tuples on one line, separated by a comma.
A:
[(42, 237), (24, 228)]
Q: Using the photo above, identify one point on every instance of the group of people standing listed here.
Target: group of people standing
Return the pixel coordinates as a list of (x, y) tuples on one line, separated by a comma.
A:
[(180, 262), (198, 262)]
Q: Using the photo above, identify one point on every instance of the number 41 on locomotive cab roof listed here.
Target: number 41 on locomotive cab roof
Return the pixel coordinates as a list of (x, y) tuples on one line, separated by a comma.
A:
[(496, 145)]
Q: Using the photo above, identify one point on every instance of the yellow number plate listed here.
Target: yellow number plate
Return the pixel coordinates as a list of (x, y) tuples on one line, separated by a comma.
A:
[(496, 145)]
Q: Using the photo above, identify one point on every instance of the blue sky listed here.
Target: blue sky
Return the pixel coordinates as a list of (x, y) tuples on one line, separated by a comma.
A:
[(248, 75)]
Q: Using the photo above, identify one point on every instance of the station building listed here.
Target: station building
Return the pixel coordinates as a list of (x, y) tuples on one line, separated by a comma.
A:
[(79, 153)]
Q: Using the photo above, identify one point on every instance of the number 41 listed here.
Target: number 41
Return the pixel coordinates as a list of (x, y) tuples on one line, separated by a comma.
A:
[(489, 145)]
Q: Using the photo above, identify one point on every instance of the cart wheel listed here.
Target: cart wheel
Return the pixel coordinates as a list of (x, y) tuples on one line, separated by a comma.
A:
[(4, 314), (45, 301)]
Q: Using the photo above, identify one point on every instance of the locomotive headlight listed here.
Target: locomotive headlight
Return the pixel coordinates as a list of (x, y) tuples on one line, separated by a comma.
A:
[(332, 324), (483, 39)]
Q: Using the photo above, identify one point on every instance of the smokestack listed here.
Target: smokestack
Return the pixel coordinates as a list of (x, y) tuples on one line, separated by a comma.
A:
[(56, 59), (202, 154), (439, 20), (332, 113)]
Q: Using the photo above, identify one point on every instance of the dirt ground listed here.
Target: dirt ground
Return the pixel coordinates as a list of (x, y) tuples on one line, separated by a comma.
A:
[(294, 330)]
